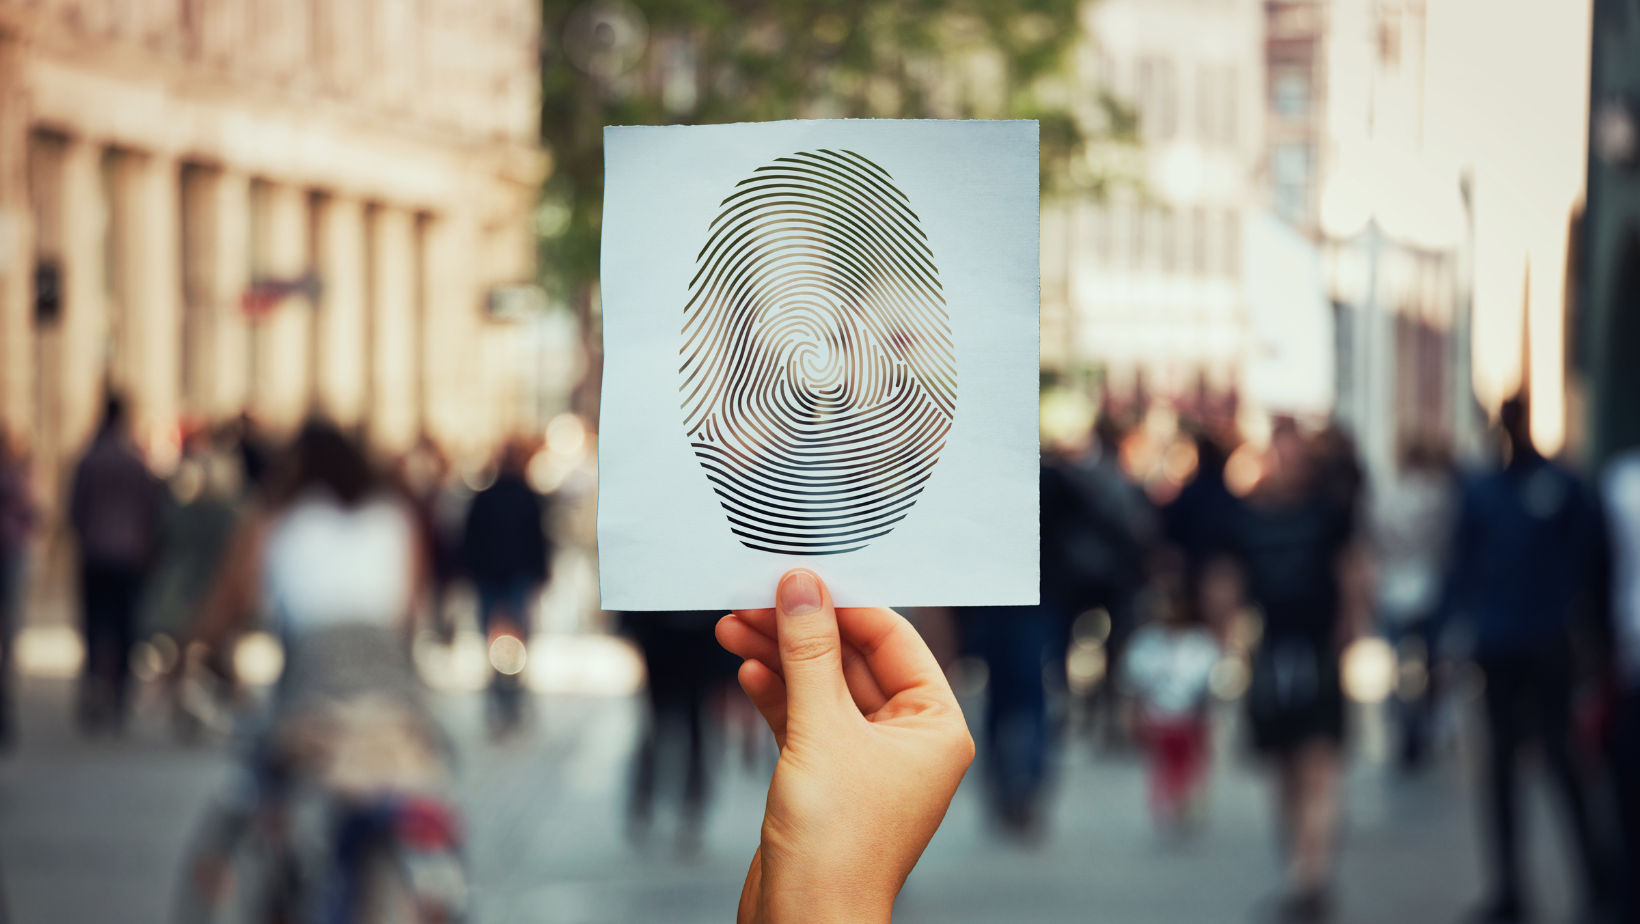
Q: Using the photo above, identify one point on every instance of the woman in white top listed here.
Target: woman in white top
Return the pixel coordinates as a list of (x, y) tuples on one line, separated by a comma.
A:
[(332, 560)]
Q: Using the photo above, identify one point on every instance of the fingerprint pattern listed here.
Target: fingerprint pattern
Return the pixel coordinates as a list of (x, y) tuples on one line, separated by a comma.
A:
[(819, 377)]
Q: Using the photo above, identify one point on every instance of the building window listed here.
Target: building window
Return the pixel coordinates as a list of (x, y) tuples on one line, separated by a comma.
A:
[(1290, 93), (1290, 180), (1158, 98), (1230, 244), (1216, 105)]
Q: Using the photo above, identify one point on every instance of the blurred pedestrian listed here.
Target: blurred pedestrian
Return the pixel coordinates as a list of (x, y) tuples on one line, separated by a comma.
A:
[(1167, 671), (195, 525), (112, 508), (1015, 642), (1195, 520), (1519, 555), (1620, 495), (1020, 644), (1339, 476), (1291, 551), (1411, 525), (1097, 528), (18, 514), (255, 454), (504, 550), (424, 474), (684, 666), (333, 555)]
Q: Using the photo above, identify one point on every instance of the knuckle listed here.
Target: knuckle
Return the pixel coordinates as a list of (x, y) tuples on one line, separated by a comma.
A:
[(808, 648), (958, 744)]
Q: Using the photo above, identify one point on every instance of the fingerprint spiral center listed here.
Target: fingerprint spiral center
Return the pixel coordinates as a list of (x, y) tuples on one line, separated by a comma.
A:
[(819, 377)]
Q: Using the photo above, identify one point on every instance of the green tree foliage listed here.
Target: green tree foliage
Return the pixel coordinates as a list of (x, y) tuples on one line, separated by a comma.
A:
[(653, 62)]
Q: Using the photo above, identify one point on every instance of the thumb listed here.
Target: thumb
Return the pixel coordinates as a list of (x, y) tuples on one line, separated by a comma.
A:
[(811, 653)]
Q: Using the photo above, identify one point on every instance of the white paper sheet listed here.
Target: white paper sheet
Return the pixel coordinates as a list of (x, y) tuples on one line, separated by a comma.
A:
[(820, 350)]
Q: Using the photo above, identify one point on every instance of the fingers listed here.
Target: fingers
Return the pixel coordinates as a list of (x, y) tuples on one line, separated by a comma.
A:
[(746, 642), (896, 655), (768, 693), (811, 651), (863, 687), (741, 638), (761, 620)]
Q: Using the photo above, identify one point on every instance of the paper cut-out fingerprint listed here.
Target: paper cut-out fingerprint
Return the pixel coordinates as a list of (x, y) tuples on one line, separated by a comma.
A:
[(819, 374)]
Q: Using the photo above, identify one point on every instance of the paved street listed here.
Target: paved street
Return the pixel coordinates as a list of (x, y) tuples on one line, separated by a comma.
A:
[(93, 831)]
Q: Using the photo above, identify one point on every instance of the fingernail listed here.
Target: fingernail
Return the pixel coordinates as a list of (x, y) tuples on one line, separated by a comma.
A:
[(799, 594)]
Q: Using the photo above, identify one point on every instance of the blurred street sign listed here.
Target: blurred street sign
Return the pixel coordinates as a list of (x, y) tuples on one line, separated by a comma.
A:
[(266, 293), (515, 302)]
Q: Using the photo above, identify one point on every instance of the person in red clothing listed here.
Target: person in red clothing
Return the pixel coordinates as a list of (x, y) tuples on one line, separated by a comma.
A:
[(1166, 672)]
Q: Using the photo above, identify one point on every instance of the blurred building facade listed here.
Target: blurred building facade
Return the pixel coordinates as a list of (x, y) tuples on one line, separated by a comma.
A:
[(1446, 178), (1146, 285), (272, 206), (1608, 281), (1346, 165), (1295, 111)]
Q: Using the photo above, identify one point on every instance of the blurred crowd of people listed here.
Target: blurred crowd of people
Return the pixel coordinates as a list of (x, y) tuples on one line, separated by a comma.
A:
[(157, 557), (1175, 578), (1260, 574), (344, 560)]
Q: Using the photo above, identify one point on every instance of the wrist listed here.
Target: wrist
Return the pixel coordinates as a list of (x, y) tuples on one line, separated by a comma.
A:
[(820, 897), (808, 908)]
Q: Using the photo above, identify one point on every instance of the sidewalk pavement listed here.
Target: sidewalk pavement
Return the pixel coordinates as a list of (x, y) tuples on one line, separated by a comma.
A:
[(96, 830)]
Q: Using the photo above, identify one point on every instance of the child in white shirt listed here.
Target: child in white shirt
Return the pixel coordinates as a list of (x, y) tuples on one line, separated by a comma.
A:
[(1167, 668)]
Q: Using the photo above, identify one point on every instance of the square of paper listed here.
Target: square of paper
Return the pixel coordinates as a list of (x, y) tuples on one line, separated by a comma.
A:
[(820, 350)]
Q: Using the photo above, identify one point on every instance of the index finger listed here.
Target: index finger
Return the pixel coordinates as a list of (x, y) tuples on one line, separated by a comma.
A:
[(762, 619), (895, 652)]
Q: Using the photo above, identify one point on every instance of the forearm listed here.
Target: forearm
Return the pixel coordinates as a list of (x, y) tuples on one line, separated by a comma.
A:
[(810, 902)]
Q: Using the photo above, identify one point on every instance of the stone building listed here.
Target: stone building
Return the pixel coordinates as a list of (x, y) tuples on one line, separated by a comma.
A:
[(1352, 92), (273, 206), (1145, 286)]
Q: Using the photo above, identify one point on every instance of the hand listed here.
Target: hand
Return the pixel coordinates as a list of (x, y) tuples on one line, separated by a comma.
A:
[(872, 747)]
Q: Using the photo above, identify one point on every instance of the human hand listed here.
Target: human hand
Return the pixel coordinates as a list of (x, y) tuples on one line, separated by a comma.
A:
[(872, 747)]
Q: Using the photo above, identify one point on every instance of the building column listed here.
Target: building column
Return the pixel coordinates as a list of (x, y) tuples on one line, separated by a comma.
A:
[(148, 287), (282, 390), (85, 328), (395, 415), (228, 267), (16, 251), (216, 273), (342, 316), (457, 416)]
